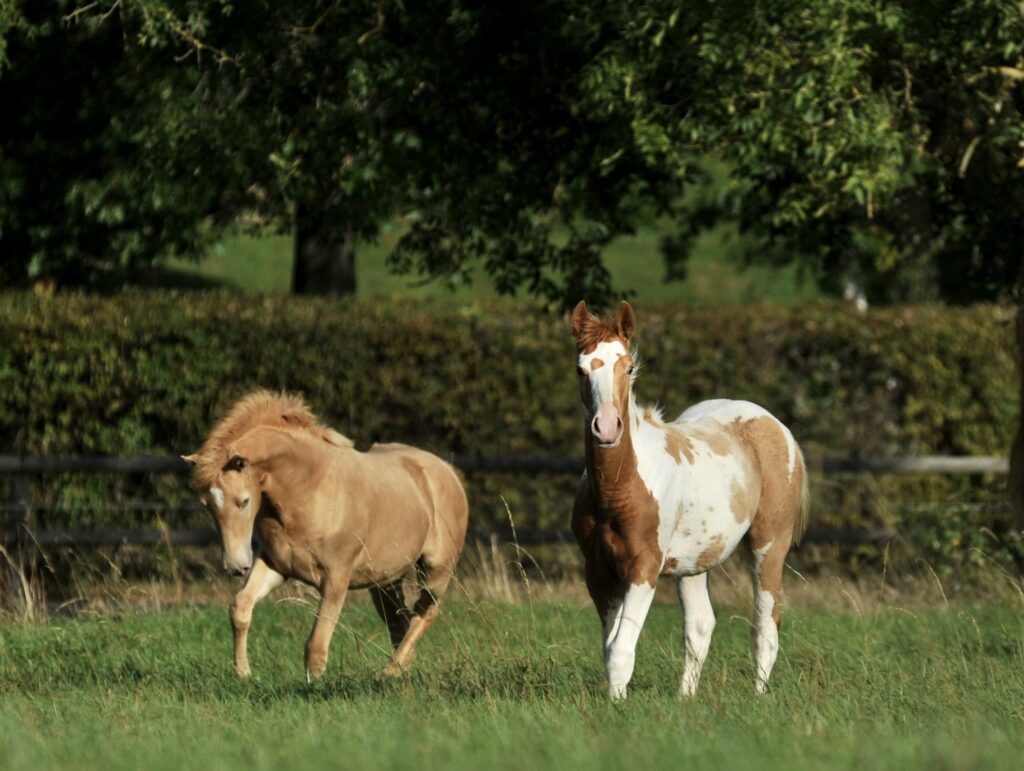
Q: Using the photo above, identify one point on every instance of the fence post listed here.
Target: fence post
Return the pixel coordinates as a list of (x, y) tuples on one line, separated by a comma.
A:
[(16, 532)]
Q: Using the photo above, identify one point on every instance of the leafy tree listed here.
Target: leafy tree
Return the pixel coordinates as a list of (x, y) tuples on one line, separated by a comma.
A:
[(869, 143), (100, 174), (876, 142)]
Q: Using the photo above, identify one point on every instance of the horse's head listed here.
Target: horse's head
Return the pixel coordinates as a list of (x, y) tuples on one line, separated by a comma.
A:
[(605, 369), (232, 492)]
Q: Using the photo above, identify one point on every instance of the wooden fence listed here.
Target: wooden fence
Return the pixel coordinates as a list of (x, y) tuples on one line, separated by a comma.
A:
[(18, 533)]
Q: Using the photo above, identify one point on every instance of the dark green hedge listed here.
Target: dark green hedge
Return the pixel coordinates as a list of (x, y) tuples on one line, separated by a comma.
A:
[(149, 372)]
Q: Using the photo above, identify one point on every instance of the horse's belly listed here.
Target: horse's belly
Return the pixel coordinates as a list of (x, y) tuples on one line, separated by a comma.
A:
[(701, 529), (382, 569), (391, 547), (699, 545)]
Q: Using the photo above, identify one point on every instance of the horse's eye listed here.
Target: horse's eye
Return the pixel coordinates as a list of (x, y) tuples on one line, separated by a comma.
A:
[(630, 370), (243, 503), (580, 371)]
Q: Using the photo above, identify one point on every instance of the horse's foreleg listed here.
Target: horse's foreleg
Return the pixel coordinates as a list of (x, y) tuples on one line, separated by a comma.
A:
[(621, 650), (333, 592), (606, 593), (262, 580), (434, 579), (698, 625)]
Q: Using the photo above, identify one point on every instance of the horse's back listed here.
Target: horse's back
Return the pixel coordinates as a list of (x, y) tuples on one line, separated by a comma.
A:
[(758, 430), (435, 479), (724, 411)]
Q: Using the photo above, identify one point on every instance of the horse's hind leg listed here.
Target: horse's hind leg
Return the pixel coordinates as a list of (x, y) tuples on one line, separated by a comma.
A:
[(390, 605), (766, 571), (262, 580), (434, 579)]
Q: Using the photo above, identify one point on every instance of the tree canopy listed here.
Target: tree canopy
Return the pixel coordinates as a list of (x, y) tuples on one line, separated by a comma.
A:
[(867, 142)]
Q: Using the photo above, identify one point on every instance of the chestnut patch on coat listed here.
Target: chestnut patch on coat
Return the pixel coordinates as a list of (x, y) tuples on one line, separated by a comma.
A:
[(669, 566), (782, 503), (743, 500), (621, 385), (615, 517), (712, 553), (678, 445), (779, 499), (596, 363), (718, 441)]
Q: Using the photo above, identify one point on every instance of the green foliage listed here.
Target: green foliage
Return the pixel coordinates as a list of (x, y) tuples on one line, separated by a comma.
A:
[(150, 372), (869, 144), (512, 686), (102, 171)]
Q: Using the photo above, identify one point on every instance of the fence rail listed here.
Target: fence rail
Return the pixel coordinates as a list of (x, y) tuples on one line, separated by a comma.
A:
[(545, 464), (21, 468)]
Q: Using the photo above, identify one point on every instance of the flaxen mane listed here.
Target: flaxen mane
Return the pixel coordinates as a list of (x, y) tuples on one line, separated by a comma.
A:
[(258, 408)]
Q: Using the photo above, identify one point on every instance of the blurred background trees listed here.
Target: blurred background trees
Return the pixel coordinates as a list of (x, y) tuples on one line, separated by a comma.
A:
[(874, 149), (878, 147)]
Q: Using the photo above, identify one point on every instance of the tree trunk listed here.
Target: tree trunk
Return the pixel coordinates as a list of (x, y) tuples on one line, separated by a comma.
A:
[(325, 255), (1016, 481)]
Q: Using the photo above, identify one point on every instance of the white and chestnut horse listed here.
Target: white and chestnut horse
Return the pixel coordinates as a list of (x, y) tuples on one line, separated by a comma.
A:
[(330, 516), (676, 499)]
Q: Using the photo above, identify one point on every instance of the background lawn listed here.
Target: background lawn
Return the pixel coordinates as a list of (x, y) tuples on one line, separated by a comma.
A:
[(515, 686), (265, 264)]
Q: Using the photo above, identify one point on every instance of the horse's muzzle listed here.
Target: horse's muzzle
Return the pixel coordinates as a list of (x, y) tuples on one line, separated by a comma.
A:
[(607, 427)]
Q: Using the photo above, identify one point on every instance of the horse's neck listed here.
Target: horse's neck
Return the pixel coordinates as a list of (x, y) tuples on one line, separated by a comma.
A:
[(613, 472), (291, 467)]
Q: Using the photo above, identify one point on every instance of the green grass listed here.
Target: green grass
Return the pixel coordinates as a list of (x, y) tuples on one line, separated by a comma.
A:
[(264, 265), (502, 686)]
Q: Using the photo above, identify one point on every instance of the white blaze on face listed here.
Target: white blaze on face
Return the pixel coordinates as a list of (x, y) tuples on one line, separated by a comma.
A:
[(217, 496), (599, 371)]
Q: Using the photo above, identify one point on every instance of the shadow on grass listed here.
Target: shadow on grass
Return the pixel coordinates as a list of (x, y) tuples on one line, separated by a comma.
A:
[(164, 277)]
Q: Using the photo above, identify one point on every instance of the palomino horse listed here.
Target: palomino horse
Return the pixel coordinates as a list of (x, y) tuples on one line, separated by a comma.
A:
[(676, 499), (330, 516)]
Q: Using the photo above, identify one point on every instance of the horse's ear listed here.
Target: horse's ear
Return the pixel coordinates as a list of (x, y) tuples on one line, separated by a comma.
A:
[(625, 322), (237, 463), (191, 459), (581, 319)]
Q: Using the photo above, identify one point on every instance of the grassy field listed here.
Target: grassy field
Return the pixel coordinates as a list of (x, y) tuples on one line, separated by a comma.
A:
[(515, 686), (264, 265)]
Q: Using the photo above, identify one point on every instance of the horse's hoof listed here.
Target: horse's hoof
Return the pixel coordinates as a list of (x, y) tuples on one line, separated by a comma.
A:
[(243, 672), (393, 669), (314, 669)]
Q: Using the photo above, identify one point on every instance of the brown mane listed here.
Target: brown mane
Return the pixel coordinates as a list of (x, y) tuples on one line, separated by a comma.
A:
[(257, 408)]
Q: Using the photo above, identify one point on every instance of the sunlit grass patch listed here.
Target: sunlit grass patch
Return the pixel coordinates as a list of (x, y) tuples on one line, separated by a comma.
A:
[(514, 685)]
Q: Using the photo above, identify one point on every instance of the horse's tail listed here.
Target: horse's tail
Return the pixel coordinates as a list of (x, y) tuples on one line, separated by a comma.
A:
[(803, 513)]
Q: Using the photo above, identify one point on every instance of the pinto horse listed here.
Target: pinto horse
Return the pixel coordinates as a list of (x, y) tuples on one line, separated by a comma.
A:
[(330, 516), (676, 499)]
